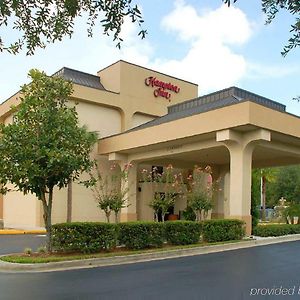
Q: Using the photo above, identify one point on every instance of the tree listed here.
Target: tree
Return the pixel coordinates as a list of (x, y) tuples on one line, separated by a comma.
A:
[(266, 175), (255, 197), (111, 190), (200, 192), (161, 203), (167, 185), (297, 98), (288, 184), (42, 22), (44, 147), (271, 9)]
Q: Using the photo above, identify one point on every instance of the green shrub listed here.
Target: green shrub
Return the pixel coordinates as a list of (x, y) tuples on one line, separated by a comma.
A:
[(189, 214), (276, 230), (292, 211), (222, 230), (86, 237), (28, 251), (41, 249), (140, 235), (183, 232)]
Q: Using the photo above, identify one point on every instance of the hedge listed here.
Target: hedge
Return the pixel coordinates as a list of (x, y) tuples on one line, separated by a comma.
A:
[(85, 237), (276, 229), (140, 235), (222, 230), (182, 232), (90, 237)]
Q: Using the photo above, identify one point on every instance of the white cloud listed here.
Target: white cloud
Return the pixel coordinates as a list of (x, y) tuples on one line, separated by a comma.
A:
[(227, 25), (213, 66), (260, 71), (210, 61)]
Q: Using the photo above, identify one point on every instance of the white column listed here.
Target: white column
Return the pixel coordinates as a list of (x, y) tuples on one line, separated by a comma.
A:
[(240, 146)]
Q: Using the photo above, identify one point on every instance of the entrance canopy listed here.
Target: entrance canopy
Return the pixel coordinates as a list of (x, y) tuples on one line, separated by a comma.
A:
[(232, 129)]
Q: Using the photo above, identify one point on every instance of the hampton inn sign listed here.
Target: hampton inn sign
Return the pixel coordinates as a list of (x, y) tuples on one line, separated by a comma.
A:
[(162, 89)]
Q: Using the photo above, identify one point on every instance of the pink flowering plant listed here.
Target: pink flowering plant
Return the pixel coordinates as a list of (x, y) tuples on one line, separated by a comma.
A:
[(111, 190), (200, 191), (169, 183)]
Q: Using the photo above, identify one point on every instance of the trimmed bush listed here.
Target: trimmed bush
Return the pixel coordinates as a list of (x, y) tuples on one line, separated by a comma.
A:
[(140, 235), (222, 230), (183, 232), (86, 237), (276, 230)]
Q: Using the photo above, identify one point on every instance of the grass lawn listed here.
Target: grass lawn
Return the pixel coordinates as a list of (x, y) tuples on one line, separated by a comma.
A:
[(58, 257)]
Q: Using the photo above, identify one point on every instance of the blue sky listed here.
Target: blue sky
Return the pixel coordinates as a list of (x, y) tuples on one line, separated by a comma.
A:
[(201, 41)]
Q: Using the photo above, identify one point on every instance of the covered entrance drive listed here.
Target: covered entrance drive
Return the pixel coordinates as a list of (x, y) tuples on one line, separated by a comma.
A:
[(232, 137)]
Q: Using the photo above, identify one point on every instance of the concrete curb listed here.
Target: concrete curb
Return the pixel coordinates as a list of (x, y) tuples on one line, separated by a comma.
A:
[(17, 231), (135, 258)]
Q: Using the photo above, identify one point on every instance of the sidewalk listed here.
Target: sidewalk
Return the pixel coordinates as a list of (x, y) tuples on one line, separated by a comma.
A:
[(135, 258)]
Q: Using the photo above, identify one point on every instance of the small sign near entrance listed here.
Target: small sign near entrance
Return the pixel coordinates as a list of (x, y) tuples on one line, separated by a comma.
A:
[(161, 88)]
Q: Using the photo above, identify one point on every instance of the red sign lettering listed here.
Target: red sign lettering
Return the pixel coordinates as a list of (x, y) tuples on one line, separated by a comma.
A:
[(161, 88)]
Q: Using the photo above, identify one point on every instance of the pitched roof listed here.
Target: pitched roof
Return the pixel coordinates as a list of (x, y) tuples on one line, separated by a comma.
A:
[(209, 102), (80, 78)]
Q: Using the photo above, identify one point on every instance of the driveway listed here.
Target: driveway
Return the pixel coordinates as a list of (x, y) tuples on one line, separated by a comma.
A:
[(250, 273)]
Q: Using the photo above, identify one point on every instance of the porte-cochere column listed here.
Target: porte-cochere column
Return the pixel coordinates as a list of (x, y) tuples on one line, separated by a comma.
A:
[(241, 146)]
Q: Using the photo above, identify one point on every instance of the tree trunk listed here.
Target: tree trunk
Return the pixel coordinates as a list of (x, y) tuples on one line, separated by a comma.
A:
[(116, 217), (107, 214), (69, 202), (198, 215), (47, 207), (263, 195)]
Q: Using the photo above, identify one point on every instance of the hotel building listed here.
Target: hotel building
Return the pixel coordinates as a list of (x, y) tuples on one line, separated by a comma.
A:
[(151, 119)]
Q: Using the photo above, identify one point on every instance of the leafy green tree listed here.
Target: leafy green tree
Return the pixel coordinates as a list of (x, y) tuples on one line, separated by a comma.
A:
[(272, 7), (111, 190), (161, 203), (168, 186), (267, 175), (297, 98), (42, 22), (200, 192), (288, 184), (44, 147)]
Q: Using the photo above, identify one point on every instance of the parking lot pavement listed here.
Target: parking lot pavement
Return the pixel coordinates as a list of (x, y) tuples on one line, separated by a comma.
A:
[(17, 243)]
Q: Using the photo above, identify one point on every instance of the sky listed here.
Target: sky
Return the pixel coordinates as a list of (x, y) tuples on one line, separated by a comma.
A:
[(202, 41)]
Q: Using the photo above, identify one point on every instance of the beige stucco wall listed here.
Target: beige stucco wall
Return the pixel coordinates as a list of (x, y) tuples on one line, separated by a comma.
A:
[(110, 77), (129, 80), (138, 119), (104, 120), (221, 193), (84, 203), (8, 119), (20, 211)]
